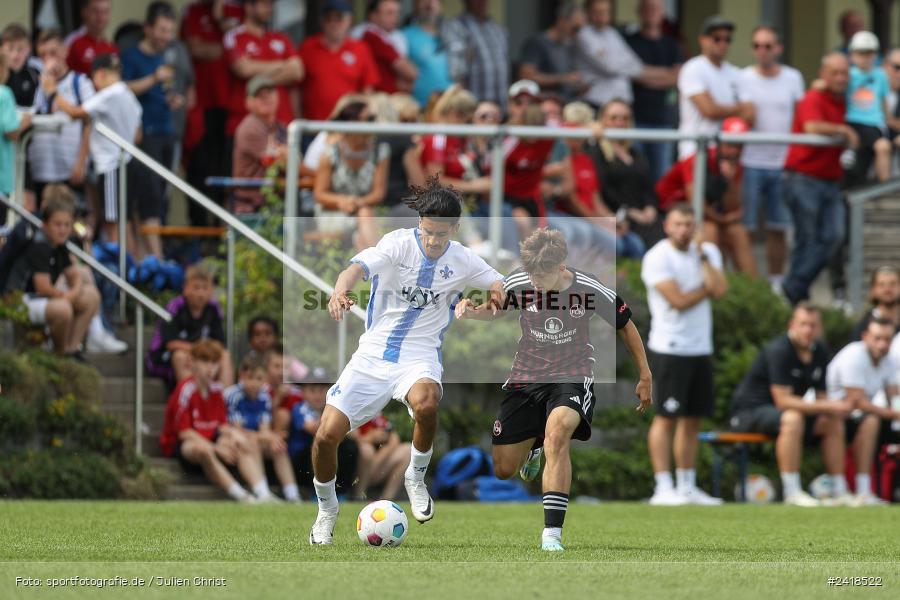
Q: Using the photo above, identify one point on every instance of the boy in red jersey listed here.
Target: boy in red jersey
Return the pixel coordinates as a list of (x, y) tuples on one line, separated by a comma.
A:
[(196, 430)]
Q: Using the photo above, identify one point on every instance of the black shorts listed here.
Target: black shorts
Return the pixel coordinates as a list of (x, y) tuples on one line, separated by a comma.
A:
[(682, 385), (767, 419), (147, 190), (188, 467), (868, 134), (529, 204), (524, 410), (108, 195)]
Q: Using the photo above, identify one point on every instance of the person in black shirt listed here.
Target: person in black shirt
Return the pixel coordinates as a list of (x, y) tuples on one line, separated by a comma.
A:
[(23, 78), (66, 310), (654, 106), (884, 292), (783, 395), (549, 392), (195, 317), (548, 57)]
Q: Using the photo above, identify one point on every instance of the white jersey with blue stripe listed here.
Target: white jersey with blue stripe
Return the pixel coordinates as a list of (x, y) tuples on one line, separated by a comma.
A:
[(413, 296)]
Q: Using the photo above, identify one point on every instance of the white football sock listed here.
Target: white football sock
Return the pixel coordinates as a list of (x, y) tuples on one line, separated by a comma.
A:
[(261, 490), (685, 480), (418, 463), (863, 484), (291, 492), (236, 491), (96, 327), (790, 484), (838, 484), (326, 494), (552, 532), (664, 481)]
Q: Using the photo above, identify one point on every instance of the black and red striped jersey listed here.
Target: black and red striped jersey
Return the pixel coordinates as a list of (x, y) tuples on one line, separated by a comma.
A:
[(555, 345)]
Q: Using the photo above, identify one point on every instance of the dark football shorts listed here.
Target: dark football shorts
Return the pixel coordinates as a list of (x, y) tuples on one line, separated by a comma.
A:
[(682, 385), (525, 409)]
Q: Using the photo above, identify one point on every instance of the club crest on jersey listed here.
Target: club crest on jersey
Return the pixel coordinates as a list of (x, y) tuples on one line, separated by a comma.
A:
[(418, 297), (553, 325), (446, 272), (498, 428), (576, 311)]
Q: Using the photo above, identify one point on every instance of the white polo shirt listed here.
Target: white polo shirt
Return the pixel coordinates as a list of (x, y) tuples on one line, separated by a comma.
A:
[(672, 331), (119, 109), (853, 367)]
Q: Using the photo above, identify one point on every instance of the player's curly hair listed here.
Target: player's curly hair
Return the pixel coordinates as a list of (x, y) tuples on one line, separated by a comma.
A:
[(543, 250), (435, 201)]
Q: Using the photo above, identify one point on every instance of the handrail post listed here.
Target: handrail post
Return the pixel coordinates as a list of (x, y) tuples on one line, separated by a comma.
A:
[(855, 275), (699, 196), (123, 222), (21, 149), (229, 298), (138, 378), (495, 218), (294, 135)]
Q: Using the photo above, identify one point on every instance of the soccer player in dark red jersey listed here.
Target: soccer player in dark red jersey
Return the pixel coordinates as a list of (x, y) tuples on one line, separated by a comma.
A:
[(549, 393)]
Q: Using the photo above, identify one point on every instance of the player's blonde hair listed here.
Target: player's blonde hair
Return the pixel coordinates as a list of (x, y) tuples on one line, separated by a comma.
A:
[(543, 250)]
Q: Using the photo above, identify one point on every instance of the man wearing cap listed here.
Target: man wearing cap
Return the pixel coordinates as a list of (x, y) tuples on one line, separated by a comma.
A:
[(336, 64), (710, 86), (812, 177), (259, 141), (253, 49), (723, 211), (116, 106), (867, 110)]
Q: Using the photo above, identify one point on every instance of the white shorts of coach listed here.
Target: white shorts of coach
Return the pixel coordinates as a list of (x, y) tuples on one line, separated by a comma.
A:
[(367, 385)]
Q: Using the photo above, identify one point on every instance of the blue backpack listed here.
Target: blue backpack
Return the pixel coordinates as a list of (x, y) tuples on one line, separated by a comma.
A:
[(460, 466)]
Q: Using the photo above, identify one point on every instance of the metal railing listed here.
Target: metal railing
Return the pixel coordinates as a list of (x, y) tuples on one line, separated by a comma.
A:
[(141, 302), (297, 128), (856, 203), (235, 226)]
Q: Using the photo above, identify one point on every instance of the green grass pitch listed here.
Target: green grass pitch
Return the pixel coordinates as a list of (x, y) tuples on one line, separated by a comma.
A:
[(468, 552)]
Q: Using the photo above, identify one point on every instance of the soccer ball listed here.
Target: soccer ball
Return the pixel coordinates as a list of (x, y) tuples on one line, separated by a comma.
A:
[(382, 524), (820, 487), (759, 489)]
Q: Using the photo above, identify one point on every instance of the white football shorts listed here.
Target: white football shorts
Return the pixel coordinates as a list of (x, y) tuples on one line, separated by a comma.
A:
[(367, 384)]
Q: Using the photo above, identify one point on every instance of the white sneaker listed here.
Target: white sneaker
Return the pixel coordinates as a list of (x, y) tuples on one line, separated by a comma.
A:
[(270, 499), (248, 499), (667, 498), (868, 499), (104, 343), (701, 498), (322, 532), (801, 498), (845, 499), (420, 501)]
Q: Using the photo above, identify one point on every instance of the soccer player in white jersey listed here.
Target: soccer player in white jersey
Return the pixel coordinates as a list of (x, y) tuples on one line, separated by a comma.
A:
[(417, 276)]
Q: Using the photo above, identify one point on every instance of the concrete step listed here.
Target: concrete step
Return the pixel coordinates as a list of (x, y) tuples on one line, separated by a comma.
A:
[(182, 491), (113, 365), (120, 390), (126, 333)]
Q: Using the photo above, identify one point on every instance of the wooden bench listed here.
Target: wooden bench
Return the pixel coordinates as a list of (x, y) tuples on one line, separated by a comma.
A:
[(182, 231), (739, 443)]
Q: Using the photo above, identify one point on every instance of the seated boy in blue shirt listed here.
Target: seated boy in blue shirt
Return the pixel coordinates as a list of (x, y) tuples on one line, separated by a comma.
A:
[(250, 409)]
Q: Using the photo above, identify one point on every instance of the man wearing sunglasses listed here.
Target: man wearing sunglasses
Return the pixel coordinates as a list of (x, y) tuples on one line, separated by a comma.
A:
[(774, 89), (709, 86)]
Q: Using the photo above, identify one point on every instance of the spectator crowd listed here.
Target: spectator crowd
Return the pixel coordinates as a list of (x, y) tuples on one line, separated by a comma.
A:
[(210, 94)]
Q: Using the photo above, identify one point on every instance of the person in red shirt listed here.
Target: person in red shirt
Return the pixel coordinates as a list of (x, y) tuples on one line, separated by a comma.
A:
[(812, 178), (88, 42), (722, 213), (335, 64), (197, 433), (525, 159), (252, 49), (383, 458), (203, 28), (388, 46)]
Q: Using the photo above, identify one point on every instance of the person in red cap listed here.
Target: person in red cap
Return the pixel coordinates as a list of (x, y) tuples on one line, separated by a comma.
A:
[(723, 212)]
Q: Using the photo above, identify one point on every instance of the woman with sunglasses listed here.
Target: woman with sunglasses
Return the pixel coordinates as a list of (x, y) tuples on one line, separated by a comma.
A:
[(351, 180)]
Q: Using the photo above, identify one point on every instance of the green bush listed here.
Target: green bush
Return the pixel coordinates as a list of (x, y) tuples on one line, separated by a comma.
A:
[(18, 422), (56, 474)]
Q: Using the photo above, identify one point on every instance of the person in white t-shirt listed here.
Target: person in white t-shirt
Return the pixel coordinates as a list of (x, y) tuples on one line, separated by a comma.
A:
[(709, 86), (416, 274), (118, 108), (682, 273), (774, 89), (864, 373)]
